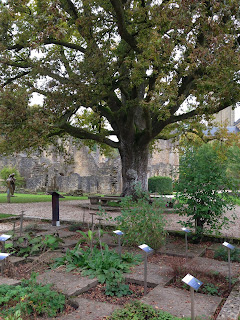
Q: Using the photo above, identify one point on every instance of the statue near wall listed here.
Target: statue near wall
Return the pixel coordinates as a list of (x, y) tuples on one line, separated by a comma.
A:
[(10, 186)]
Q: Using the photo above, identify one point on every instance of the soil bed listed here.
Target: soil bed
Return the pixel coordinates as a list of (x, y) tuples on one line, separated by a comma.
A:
[(212, 284), (98, 293)]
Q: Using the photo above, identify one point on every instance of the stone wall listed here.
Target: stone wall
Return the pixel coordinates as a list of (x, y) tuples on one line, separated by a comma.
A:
[(87, 171)]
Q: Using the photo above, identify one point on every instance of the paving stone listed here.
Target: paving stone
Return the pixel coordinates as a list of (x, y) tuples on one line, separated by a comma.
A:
[(90, 310), (231, 308), (9, 281), (155, 274), (62, 233), (16, 260), (180, 250), (212, 265), (66, 282), (69, 243), (178, 302)]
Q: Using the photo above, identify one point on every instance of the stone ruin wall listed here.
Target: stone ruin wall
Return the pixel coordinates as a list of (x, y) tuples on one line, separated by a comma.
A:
[(88, 172)]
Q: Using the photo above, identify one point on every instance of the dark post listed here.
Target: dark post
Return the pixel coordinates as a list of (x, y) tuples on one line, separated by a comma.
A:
[(55, 208)]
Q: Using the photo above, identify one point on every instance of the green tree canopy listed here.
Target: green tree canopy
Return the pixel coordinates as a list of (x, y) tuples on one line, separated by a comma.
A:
[(115, 67)]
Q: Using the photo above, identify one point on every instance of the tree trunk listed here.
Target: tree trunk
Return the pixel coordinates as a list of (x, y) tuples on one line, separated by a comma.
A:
[(134, 167)]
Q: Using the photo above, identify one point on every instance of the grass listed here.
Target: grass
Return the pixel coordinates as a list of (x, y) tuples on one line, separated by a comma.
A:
[(26, 198), (5, 215)]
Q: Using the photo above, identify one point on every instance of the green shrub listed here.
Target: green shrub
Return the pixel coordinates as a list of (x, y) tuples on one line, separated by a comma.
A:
[(6, 171), (222, 253), (202, 174), (30, 298), (140, 311), (161, 185), (104, 264), (142, 222)]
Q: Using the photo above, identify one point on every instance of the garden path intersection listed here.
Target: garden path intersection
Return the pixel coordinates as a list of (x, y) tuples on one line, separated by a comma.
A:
[(173, 300)]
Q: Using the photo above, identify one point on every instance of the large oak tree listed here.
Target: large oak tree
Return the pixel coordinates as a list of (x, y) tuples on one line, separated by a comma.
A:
[(121, 68)]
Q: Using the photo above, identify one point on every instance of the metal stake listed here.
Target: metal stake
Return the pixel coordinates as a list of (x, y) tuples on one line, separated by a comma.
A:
[(145, 274), (229, 268), (119, 246), (186, 241), (192, 304)]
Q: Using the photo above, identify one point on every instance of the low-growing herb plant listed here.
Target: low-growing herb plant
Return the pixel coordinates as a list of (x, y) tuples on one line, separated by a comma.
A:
[(222, 253), (33, 245), (30, 298), (106, 265), (211, 289), (140, 311)]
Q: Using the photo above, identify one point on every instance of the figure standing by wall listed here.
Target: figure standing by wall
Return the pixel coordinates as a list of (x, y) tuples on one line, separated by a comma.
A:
[(10, 186)]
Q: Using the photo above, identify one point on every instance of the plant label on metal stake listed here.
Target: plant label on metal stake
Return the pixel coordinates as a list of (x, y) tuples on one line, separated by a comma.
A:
[(186, 240), (147, 250), (119, 233), (194, 284), (229, 248)]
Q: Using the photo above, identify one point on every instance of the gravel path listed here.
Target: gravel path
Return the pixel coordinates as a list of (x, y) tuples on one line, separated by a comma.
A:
[(72, 211)]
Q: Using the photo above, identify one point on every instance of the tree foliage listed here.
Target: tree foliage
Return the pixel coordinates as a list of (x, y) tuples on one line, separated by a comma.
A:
[(115, 67), (203, 189)]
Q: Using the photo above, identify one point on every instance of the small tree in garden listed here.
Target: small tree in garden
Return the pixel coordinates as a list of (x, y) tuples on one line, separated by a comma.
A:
[(202, 189), (141, 221), (6, 171)]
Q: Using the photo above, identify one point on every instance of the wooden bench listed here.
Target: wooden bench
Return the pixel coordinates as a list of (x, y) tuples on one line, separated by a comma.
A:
[(104, 200)]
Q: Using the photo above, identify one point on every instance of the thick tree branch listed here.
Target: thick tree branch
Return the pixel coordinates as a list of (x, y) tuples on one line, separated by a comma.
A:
[(122, 28), (65, 44), (18, 76), (84, 134)]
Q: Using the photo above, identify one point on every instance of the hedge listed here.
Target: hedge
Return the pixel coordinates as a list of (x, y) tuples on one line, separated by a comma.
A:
[(161, 185)]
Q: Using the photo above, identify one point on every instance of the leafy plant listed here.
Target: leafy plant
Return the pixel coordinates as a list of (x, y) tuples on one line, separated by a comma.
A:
[(222, 253), (202, 174), (30, 298), (106, 265), (210, 289), (142, 221), (15, 316), (33, 245), (140, 311)]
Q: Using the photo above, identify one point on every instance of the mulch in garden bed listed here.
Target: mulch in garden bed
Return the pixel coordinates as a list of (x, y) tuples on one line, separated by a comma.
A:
[(98, 293), (213, 284)]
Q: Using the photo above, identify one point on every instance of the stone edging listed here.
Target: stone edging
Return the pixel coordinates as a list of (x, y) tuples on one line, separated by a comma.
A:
[(231, 308)]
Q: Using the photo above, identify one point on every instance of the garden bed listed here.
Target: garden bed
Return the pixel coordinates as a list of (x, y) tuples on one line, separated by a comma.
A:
[(171, 267)]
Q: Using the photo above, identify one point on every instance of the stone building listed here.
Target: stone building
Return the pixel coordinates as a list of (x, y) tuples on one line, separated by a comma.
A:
[(89, 172)]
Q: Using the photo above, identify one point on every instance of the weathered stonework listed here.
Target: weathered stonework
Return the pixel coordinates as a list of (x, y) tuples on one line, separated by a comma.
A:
[(87, 171)]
